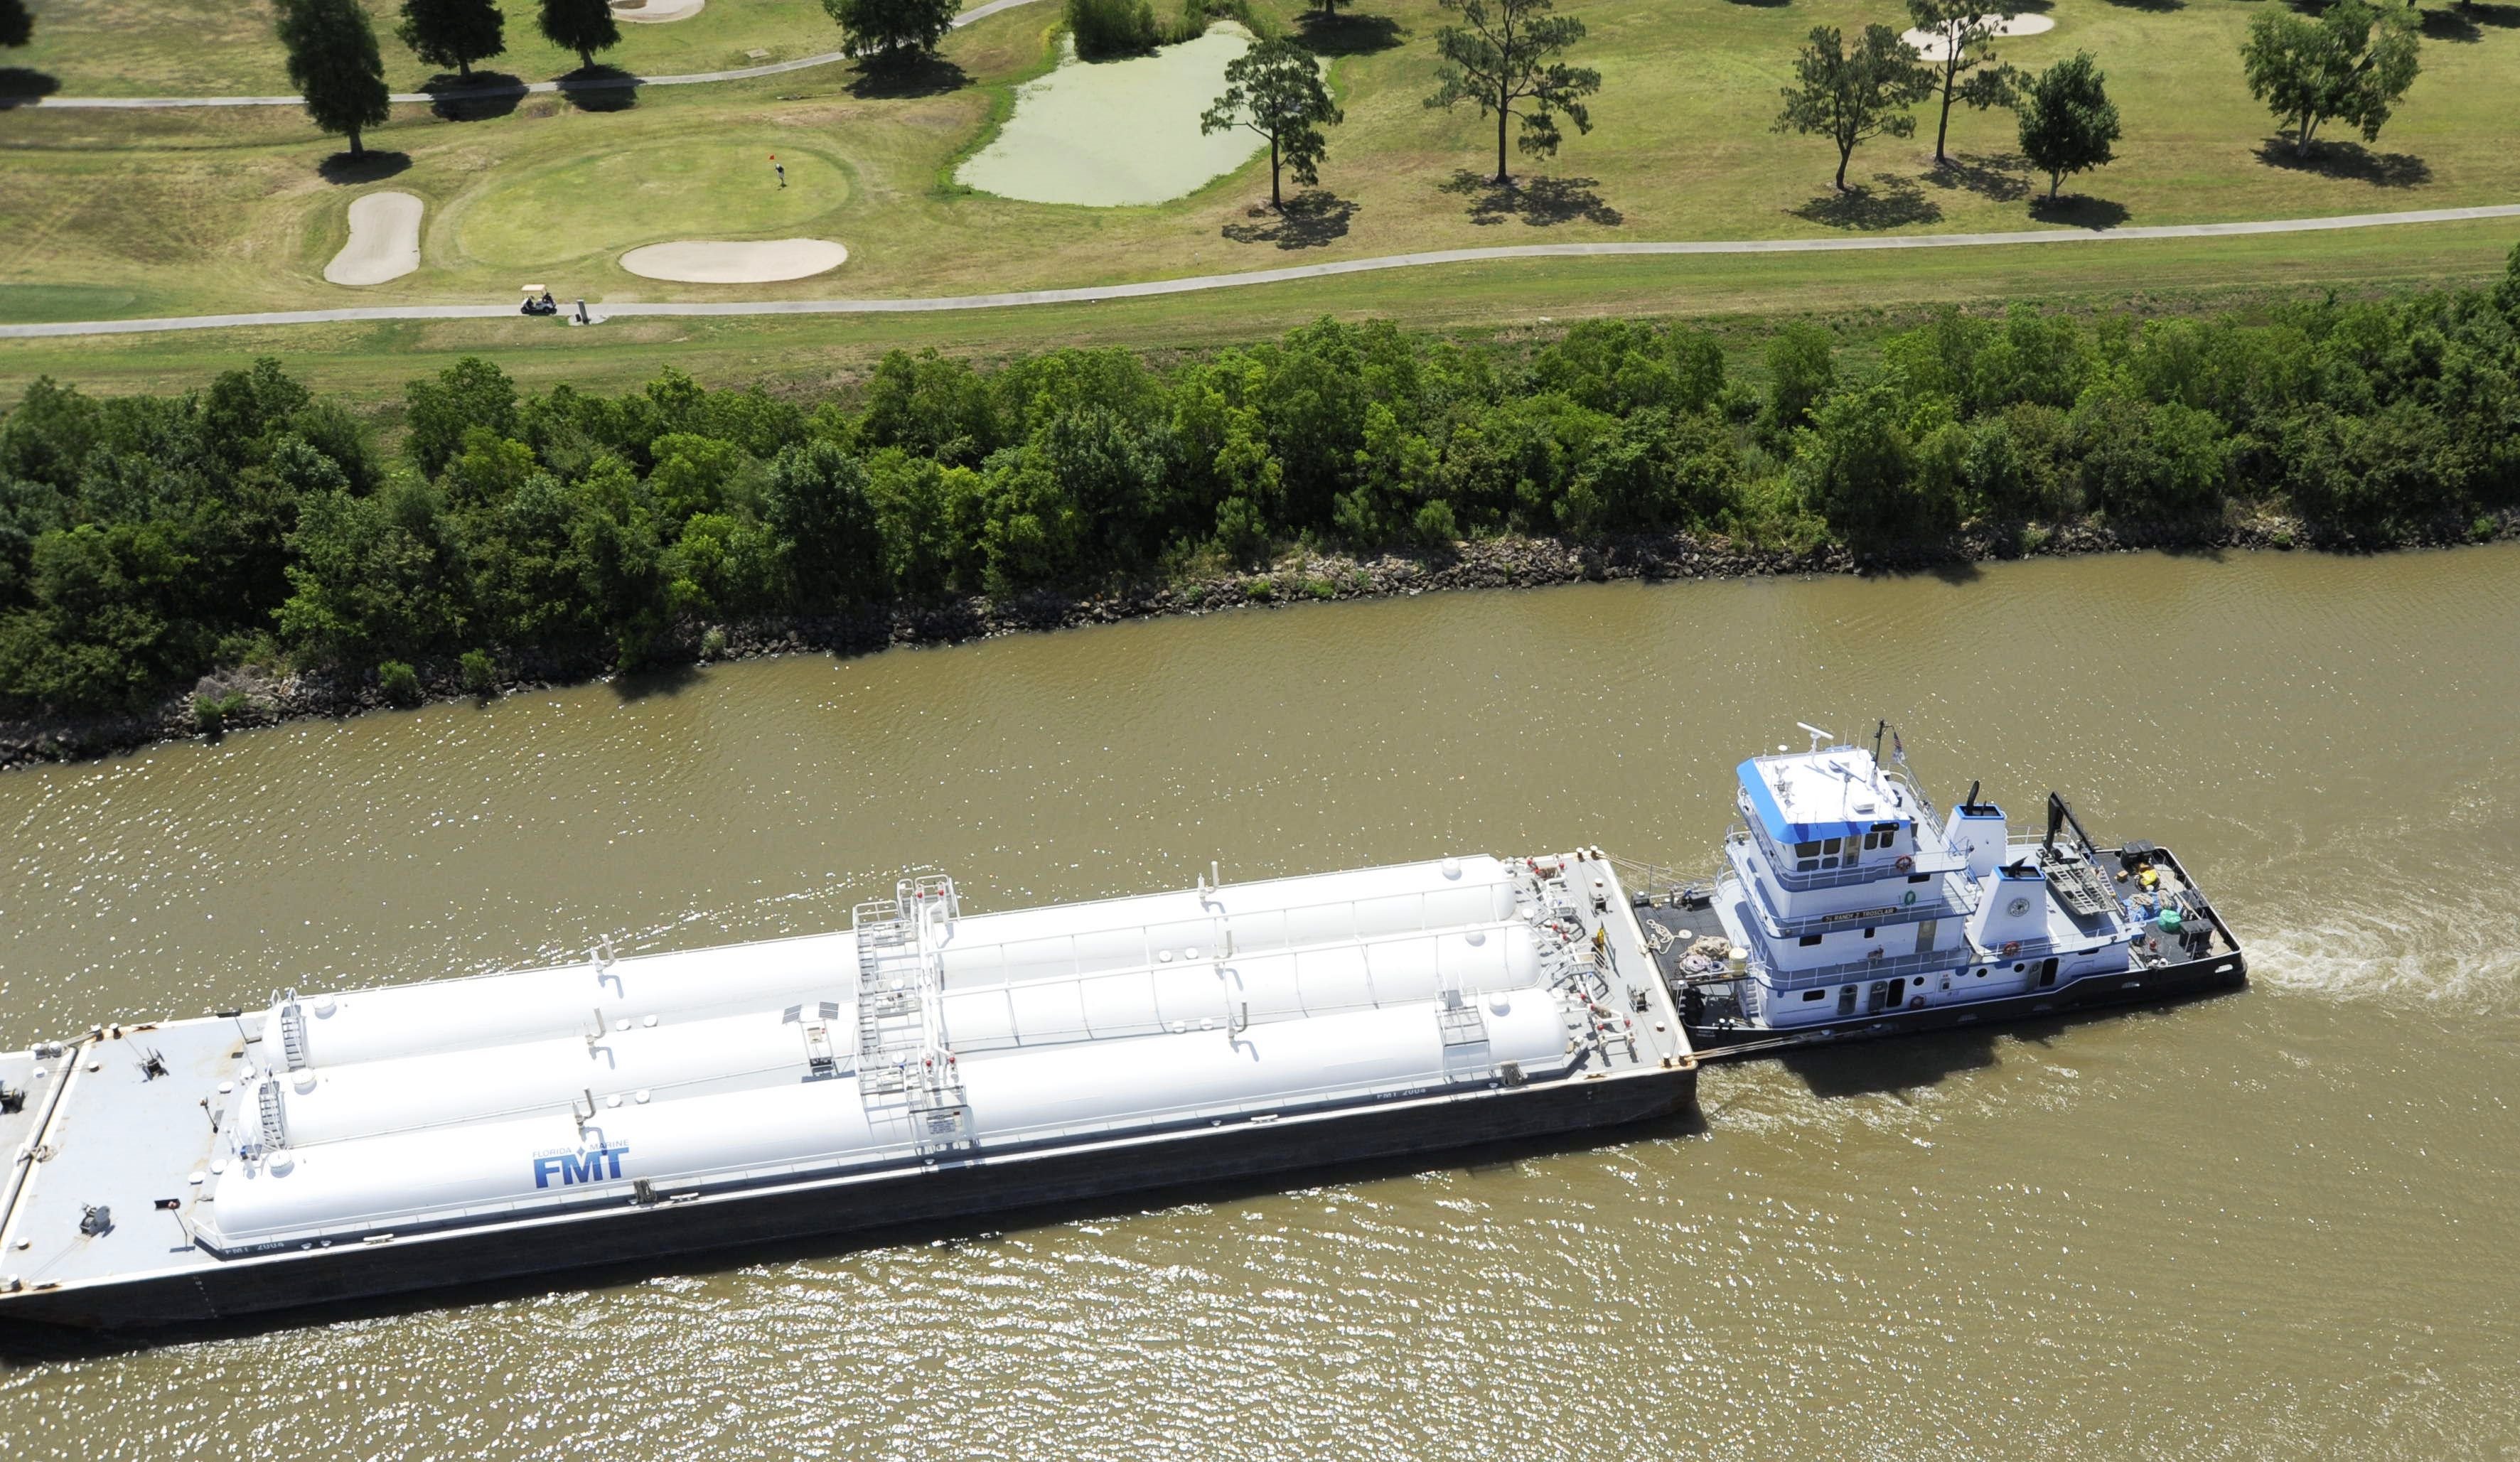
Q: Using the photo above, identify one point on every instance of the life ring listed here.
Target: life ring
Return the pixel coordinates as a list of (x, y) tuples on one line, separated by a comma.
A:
[(1917, 1002), (1904, 863), (2011, 946)]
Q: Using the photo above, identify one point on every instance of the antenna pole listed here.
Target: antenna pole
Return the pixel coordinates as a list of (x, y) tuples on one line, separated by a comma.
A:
[(1878, 729)]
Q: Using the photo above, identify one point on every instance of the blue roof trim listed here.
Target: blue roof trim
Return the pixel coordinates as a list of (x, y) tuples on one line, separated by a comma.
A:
[(1764, 802)]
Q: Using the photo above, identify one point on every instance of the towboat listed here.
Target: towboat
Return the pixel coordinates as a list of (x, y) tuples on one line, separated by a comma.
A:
[(1844, 905)]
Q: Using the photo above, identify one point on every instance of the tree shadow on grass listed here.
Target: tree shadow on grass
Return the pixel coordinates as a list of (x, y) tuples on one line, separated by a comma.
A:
[(928, 75), (1348, 36), (372, 166), (2348, 159), (23, 86), (1888, 201), (1540, 203), (2156, 7), (1311, 219), (601, 88), (2466, 22), (477, 98), (1999, 179), (1764, 4), (2078, 211)]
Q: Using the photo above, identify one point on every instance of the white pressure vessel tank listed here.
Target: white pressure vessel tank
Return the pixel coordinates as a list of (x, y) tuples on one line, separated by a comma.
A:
[(330, 1103), (369, 1024)]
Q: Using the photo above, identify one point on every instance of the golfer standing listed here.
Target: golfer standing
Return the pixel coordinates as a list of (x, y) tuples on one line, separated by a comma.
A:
[(779, 167)]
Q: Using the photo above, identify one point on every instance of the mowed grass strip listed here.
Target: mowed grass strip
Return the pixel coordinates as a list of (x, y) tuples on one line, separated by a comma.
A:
[(1745, 296), (193, 212)]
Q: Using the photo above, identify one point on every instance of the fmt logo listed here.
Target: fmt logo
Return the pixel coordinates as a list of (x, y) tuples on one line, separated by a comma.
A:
[(587, 1164)]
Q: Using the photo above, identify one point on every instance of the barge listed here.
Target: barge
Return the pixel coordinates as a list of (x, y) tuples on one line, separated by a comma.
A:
[(926, 1064), (1845, 907)]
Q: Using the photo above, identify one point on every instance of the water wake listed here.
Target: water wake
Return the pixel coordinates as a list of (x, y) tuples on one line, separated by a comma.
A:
[(2448, 946)]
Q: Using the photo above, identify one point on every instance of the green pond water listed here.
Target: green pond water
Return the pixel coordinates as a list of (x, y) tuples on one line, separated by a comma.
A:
[(1114, 132)]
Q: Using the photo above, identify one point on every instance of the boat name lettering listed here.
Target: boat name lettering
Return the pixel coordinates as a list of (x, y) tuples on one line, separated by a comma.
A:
[(1855, 915), (584, 1165)]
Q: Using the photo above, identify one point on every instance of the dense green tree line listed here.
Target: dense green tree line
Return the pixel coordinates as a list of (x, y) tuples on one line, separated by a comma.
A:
[(145, 539)]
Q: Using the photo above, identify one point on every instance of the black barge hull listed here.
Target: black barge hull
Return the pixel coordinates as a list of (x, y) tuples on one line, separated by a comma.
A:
[(950, 1190)]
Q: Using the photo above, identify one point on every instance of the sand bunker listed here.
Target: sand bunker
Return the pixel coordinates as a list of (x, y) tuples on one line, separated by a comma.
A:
[(384, 240), (1930, 46), (655, 12), (1117, 132), (708, 261)]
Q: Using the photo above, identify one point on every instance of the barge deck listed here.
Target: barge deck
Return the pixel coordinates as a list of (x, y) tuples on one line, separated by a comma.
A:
[(925, 1065)]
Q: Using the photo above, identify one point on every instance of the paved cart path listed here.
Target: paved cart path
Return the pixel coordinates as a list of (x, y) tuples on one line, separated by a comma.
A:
[(1196, 282), (516, 89)]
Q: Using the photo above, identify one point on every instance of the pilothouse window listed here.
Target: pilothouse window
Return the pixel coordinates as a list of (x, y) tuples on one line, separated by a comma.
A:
[(1813, 857)]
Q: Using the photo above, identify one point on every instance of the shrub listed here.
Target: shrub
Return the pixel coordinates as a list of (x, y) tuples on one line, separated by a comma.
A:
[(1801, 369), (1112, 27), (399, 682), (480, 673), (213, 713)]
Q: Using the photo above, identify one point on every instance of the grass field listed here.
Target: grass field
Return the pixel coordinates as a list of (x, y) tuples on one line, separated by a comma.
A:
[(210, 47), (1739, 296), (107, 214)]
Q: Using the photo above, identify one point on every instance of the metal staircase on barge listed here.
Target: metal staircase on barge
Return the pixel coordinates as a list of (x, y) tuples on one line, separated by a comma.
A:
[(905, 1064)]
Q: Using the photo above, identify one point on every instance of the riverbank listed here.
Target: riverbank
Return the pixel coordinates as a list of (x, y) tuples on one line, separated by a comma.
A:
[(244, 697)]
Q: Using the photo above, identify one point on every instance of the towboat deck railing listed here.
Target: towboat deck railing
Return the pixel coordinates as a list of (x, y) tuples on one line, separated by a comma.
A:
[(1857, 971), (1779, 862), (1946, 903)]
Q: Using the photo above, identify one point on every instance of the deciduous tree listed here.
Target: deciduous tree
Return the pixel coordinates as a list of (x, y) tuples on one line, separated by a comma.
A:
[(814, 500), (17, 26), (2067, 120), (1851, 96), (892, 33), (585, 27), (333, 62), (2351, 64), (1503, 56), (1275, 89), (1967, 71), (453, 32)]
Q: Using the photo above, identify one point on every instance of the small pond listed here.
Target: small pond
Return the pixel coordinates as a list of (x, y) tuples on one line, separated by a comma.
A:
[(1114, 132)]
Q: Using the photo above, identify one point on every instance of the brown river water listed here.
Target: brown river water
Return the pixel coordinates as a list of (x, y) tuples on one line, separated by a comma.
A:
[(2284, 1223)]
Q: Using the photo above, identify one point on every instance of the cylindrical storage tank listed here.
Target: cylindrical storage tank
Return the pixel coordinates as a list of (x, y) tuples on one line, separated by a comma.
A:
[(494, 1169), (370, 1025), (1112, 1084), (1263, 987), (490, 1169), (332, 1103), (1278, 914)]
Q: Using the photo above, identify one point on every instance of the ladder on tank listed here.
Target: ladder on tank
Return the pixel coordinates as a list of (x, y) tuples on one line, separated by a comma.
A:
[(904, 1060)]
